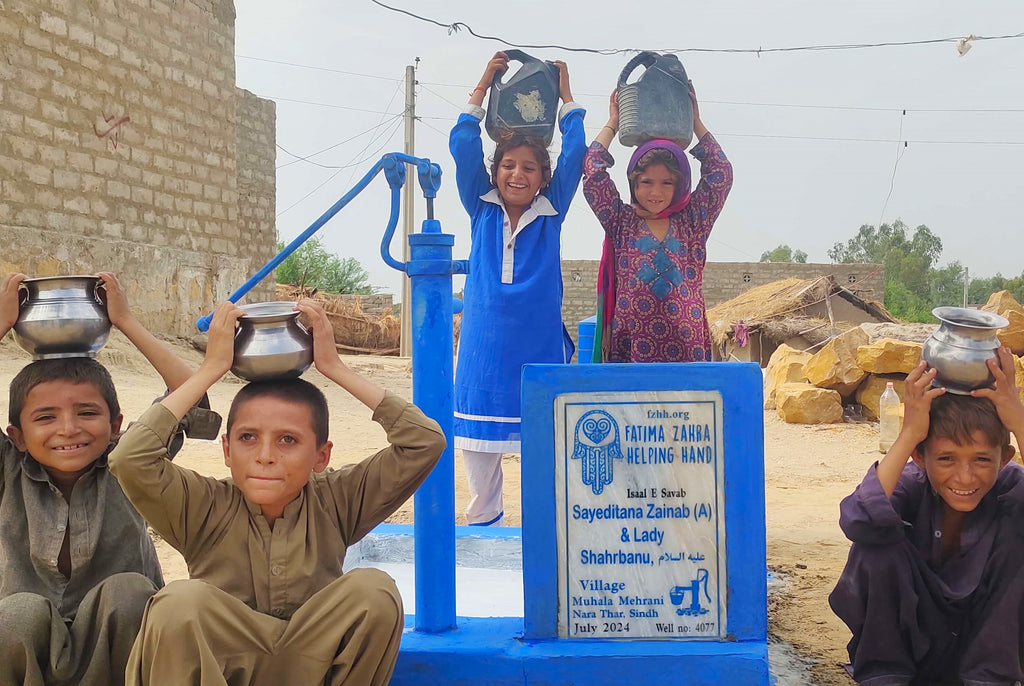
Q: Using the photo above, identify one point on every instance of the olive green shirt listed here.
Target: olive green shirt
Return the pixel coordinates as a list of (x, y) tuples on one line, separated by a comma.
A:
[(224, 537), (106, 535)]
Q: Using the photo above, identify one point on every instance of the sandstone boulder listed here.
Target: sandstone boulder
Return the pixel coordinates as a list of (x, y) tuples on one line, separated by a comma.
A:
[(871, 390), (786, 365), (1018, 364), (889, 356), (1013, 335), (802, 403), (1002, 302), (876, 331), (835, 365)]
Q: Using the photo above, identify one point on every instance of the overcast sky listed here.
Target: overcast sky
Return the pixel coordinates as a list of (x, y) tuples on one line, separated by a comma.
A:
[(813, 135)]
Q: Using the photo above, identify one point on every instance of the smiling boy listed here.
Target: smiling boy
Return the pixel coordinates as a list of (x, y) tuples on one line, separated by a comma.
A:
[(77, 565), (933, 590), (268, 601)]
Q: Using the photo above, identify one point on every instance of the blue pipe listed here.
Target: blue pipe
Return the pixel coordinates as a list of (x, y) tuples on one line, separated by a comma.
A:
[(203, 323), (430, 271)]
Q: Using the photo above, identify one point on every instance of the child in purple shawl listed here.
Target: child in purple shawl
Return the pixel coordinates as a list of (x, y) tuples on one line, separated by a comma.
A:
[(650, 295), (933, 590)]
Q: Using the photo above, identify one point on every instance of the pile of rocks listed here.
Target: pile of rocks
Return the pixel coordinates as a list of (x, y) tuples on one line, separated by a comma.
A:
[(853, 367)]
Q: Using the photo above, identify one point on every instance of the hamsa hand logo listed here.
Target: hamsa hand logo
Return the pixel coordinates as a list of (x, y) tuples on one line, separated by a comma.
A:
[(596, 445)]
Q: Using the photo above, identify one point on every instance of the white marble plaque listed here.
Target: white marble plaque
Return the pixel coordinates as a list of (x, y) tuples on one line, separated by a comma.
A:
[(640, 522)]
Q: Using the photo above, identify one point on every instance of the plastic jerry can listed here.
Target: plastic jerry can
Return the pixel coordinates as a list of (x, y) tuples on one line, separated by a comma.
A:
[(657, 104), (525, 103)]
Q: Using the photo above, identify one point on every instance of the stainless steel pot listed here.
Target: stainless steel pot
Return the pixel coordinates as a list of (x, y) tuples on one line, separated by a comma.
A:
[(959, 347), (61, 316), (270, 343)]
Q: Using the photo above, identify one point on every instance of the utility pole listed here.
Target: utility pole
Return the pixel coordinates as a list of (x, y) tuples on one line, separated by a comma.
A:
[(408, 206), (967, 282)]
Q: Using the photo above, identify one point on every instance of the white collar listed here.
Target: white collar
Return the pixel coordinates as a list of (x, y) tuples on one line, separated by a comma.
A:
[(539, 206)]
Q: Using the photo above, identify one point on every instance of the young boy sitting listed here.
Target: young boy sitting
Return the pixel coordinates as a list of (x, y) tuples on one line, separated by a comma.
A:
[(267, 602), (933, 590), (76, 562)]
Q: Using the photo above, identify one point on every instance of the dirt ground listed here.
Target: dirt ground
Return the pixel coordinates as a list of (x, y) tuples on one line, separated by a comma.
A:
[(808, 471)]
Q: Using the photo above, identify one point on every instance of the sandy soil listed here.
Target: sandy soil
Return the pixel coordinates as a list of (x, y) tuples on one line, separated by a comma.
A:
[(808, 470)]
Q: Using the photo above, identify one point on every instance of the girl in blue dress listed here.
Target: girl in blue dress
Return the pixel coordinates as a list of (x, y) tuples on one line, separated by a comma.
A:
[(512, 311)]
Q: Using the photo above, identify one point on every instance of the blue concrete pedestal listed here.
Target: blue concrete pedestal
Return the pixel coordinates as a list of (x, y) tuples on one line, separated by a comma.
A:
[(506, 651), (490, 652)]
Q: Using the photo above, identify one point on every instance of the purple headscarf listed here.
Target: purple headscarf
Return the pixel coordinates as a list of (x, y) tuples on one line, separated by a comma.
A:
[(682, 195)]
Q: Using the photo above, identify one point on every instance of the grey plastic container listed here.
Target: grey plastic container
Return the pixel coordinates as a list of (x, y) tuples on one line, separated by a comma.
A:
[(657, 104), (526, 103)]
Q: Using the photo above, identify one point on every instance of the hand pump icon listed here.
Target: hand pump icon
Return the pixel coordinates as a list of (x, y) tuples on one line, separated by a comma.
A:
[(695, 609)]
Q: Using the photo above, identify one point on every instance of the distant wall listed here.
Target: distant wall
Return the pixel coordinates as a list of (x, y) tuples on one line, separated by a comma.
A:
[(579, 292), (725, 280), (374, 305), (722, 281), (126, 146)]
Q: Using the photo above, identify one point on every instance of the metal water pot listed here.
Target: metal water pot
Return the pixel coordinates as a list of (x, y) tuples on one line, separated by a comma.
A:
[(61, 316), (270, 343), (958, 349)]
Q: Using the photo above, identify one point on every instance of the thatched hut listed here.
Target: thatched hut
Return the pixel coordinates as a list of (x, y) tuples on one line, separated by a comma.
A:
[(802, 313), (356, 331)]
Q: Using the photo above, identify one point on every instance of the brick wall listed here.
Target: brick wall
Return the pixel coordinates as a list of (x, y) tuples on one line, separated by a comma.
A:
[(376, 305), (725, 280), (579, 292), (120, 135), (256, 231), (722, 281)]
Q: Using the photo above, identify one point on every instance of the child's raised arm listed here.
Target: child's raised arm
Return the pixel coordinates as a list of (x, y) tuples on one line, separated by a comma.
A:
[(698, 126), (497, 65), (328, 362), (569, 168), (471, 176), (607, 133), (171, 368), (220, 352), (1006, 395), (917, 399), (9, 302)]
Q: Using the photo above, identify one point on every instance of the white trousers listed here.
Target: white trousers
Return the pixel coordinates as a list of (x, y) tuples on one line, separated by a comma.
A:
[(483, 472)]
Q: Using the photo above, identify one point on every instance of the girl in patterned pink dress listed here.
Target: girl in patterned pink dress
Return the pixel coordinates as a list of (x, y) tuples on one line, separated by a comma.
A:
[(654, 257)]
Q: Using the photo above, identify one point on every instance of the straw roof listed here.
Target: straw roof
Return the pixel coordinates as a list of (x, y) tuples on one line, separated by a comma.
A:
[(777, 309), (355, 331)]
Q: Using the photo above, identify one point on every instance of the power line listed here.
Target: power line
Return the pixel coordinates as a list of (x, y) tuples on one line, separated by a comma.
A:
[(864, 140), (915, 110), (723, 243), (374, 128), (854, 108), (438, 95), (434, 128), (300, 158), (342, 107), (308, 66), (892, 182), (342, 168), (455, 27)]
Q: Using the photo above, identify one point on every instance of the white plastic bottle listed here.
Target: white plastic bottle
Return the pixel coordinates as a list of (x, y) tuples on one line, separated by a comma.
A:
[(888, 418)]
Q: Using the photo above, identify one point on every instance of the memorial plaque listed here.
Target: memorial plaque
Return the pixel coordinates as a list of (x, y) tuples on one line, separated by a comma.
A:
[(640, 526)]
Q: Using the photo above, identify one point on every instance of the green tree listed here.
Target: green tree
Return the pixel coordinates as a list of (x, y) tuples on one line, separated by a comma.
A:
[(947, 285), (908, 262), (784, 253), (980, 289), (311, 266)]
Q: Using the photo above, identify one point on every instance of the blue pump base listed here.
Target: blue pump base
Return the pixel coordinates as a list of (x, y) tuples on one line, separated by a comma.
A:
[(490, 651)]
